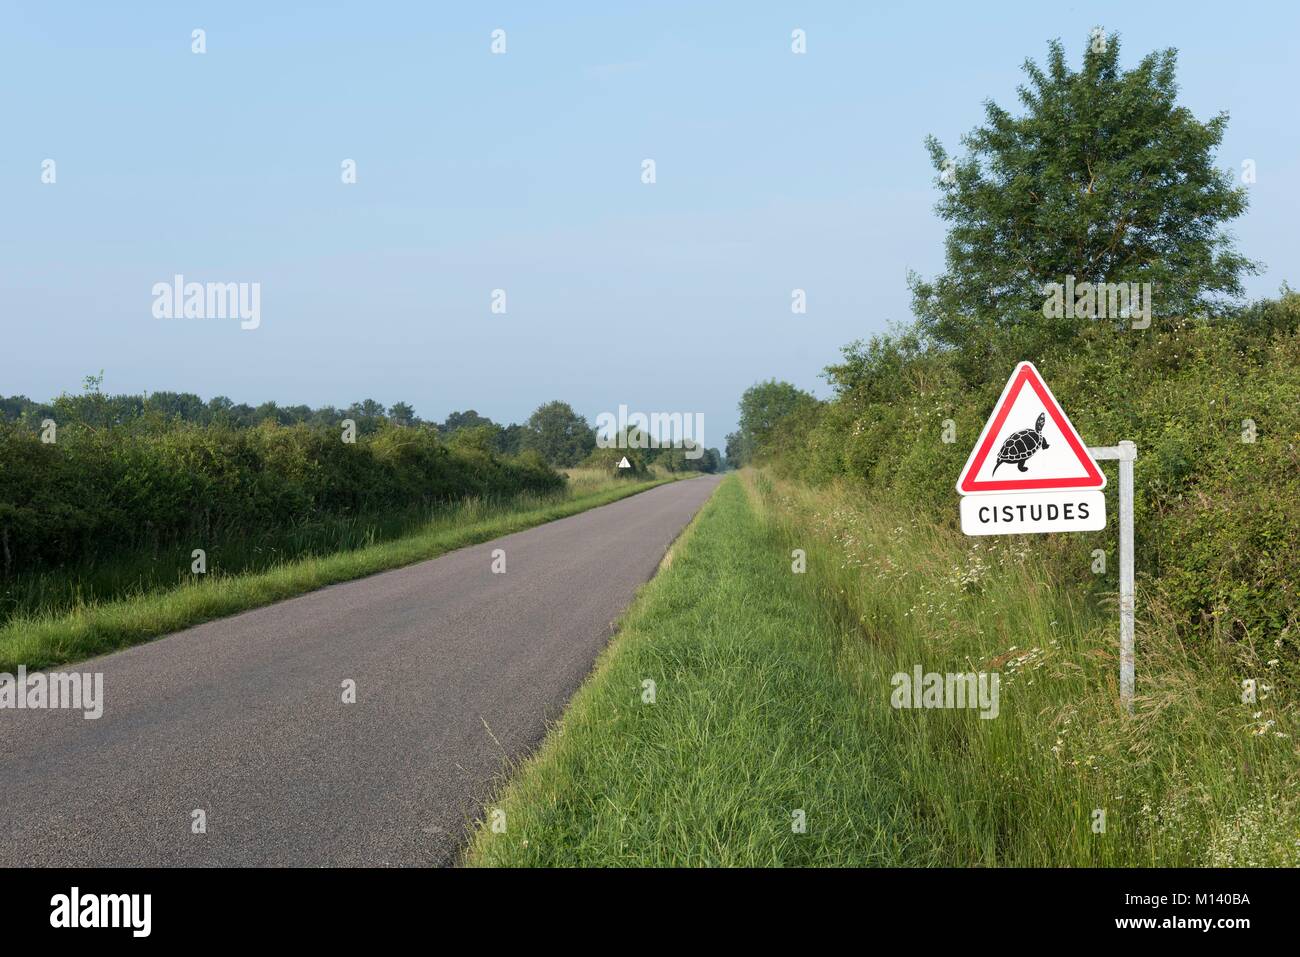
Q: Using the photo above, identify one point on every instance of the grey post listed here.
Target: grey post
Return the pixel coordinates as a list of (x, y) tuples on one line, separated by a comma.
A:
[(1126, 454)]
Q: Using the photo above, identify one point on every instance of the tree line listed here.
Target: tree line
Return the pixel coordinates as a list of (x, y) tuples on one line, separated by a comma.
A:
[(557, 433)]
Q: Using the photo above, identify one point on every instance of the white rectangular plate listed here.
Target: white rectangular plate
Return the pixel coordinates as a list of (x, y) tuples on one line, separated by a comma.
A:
[(1028, 513)]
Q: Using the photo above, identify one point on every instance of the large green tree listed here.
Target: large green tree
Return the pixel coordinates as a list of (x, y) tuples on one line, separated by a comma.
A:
[(1103, 177)]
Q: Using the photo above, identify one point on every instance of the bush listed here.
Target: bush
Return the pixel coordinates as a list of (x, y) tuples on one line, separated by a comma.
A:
[(97, 492), (607, 460), (1218, 533)]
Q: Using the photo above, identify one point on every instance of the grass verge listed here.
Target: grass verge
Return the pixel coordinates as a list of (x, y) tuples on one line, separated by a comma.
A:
[(772, 697), (46, 640)]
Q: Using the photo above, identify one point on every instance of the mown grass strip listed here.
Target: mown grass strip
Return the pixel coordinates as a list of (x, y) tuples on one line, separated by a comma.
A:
[(93, 629), (750, 724)]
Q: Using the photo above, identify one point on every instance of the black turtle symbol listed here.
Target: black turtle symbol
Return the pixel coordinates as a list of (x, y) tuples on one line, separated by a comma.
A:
[(1020, 445)]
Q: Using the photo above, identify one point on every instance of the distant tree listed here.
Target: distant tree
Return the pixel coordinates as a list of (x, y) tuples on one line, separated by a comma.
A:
[(177, 405), (464, 420), (368, 415), (738, 449), (510, 439), (402, 413), (647, 445), (13, 407), (241, 415), (710, 462), (326, 417), (762, 408), (672, 460), (270, 412), (561, 436), (686, 456), (219, 407), (297, 413)]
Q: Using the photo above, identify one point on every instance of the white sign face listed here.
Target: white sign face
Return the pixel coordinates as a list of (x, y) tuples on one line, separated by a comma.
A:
[(1028, 444), (1028, 513)]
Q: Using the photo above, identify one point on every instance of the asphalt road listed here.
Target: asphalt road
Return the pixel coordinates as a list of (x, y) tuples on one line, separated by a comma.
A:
[(456, 670)]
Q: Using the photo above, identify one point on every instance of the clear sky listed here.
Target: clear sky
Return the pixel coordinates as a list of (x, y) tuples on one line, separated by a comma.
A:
[(522, 172)]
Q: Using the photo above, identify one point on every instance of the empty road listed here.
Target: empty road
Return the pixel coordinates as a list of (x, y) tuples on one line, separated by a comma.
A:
[(456, 669)]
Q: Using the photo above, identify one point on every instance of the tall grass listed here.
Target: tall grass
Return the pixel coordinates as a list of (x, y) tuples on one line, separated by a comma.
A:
[(132, 573), (76, 613), (1196, 776), (773, 696), (583, 479)]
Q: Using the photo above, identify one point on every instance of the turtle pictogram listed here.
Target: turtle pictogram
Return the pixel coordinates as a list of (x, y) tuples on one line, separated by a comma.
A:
[(1021, 445)]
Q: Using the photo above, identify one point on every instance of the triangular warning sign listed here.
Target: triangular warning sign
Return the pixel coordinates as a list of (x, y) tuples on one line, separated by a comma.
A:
[(1028, 444)]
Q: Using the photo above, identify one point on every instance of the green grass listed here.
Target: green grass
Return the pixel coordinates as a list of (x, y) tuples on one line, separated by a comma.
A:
[(60, 635), (773, 696)]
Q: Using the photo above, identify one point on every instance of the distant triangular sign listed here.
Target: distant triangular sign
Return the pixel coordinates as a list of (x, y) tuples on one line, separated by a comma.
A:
[(624, 463), (1028, 444)]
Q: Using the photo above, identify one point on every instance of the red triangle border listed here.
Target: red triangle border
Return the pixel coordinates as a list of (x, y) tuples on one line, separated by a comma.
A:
[(1028, 375)]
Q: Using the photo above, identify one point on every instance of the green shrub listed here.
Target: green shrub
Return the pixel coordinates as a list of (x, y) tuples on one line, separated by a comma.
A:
[(1218, 530), (607, 460), (96, 493)]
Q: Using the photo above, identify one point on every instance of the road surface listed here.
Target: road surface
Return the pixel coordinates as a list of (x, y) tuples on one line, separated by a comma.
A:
[(456, 670)]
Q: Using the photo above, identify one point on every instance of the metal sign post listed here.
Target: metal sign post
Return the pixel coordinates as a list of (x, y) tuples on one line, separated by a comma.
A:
[(1125, 453)]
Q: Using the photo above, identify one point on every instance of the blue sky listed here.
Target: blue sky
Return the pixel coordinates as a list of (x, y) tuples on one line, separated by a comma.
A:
[(522, 172)]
